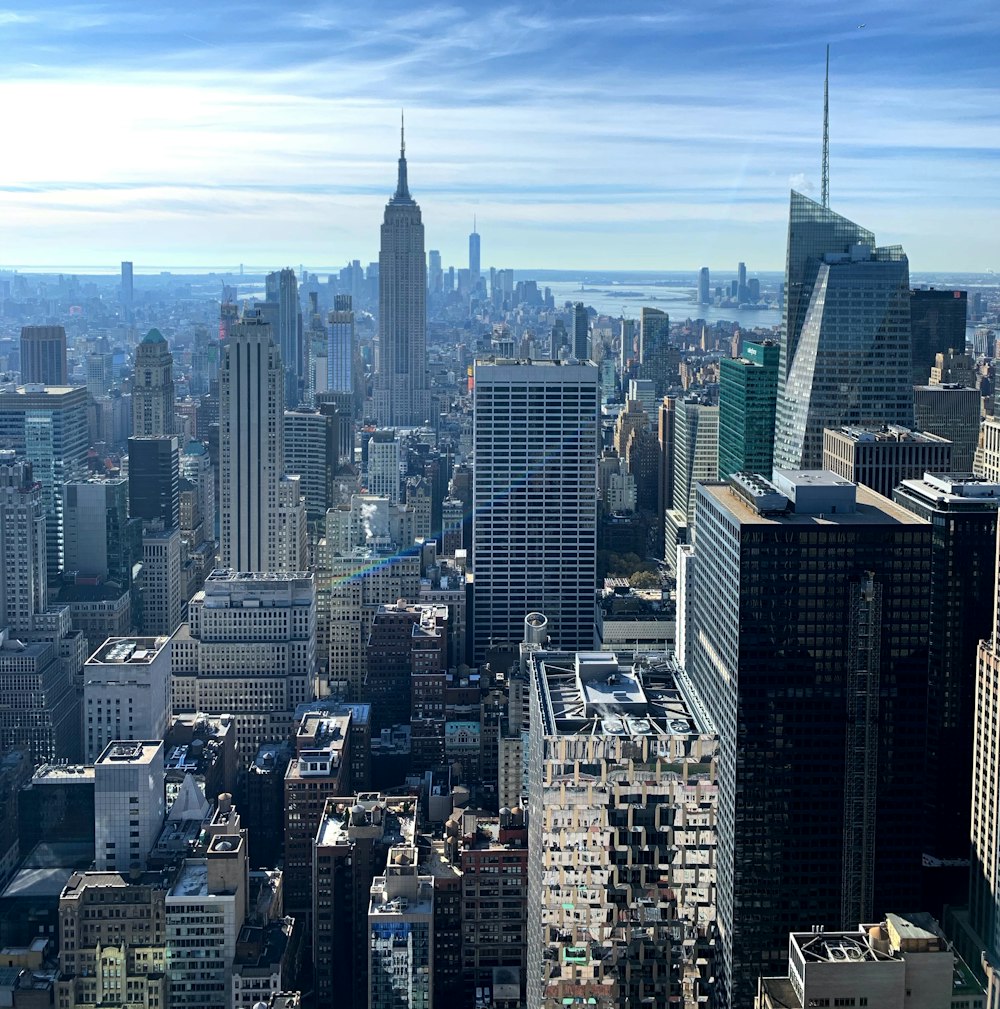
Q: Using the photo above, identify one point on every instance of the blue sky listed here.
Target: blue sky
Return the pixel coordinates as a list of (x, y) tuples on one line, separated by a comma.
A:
[(583, 134)]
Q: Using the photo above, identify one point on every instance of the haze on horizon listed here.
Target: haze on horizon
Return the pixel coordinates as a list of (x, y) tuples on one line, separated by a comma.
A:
[(642, 138)]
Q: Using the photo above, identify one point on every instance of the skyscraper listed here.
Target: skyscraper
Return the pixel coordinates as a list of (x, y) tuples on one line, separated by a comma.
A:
[(401, 396), (475, 271), (153, 474), (741, 283), (581, 334), (43, 355), (695, 458), (23, 590), (748, 390), (704, 287), (342, 346), (963, 513), (97, 542), (658, 361), (845, 344), (435, 275), (809, 644), (126, 293), (937, 325), (153, 387), (596, 719), (251, 444), (48, 427), (534, 527), (283, 291), (953, 412)]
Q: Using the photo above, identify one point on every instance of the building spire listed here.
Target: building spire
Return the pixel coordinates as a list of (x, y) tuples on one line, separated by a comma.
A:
[(825, 184), (402, 191)]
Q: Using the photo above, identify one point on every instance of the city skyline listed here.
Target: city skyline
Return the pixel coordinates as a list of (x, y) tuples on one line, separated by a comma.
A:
[(643, 140)]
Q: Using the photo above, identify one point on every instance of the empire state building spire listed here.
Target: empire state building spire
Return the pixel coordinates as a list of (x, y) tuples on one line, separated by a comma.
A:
[(402, 191)]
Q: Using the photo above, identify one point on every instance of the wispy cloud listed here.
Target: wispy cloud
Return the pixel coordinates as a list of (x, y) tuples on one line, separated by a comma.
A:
[(662, 135)]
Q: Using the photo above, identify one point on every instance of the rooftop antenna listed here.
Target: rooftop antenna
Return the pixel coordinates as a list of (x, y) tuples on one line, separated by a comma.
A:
[(825, 184)]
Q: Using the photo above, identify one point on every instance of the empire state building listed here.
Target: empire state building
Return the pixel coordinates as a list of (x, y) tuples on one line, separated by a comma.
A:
[(401, 395)]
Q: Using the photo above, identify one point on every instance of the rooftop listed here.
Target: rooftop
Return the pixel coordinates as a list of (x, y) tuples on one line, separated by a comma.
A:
[(120, 751), (889, 433), (137, 651), (192, 880), (870, 509), (619, 695), (390, 818)]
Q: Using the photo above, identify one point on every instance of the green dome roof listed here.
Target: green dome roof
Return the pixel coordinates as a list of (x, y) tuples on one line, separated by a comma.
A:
[(154, 336)]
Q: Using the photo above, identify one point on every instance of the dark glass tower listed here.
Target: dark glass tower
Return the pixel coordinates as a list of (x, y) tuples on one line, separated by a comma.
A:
[(809, 629), (153, 491), (937, 325), (963, 517)]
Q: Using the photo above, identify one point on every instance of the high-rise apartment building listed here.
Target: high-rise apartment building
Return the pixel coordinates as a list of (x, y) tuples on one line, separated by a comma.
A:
[(153, 387), (658, 359), (128, 803), (320, 769), (383, 476), (883, 457), (23, 583), (963, 513), (622, 759), (153, 474), (953, 412), (845, 345), (809, 646), (342, 347), (126, 693), (251, 444), (248, 649), (43, 355), (581, 332), (534, 527), (282, 292), (351, 848), (748, 393), (937, 325), (401, 931), (401, 395), (48, 427)]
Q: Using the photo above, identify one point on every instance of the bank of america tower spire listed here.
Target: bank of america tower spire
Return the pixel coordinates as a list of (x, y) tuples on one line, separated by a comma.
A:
[(401, 397)]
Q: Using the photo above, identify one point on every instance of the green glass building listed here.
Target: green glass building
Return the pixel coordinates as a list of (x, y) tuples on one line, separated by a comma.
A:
[(748, 391)]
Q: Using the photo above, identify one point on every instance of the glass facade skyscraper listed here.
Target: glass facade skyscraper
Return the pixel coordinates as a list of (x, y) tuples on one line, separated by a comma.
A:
[(748, 389), (845, 344)]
